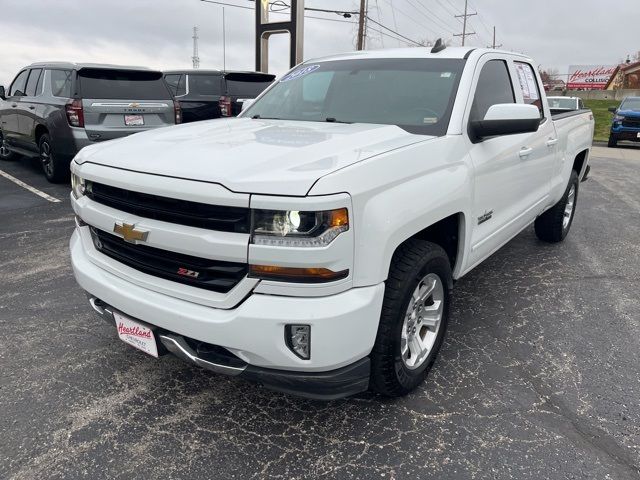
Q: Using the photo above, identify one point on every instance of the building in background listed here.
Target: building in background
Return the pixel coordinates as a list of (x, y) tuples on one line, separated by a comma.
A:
[(626, 75), (589, 77)]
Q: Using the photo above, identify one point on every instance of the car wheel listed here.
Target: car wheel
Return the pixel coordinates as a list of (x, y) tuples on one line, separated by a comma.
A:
[(415, 314), (613, 141), (54, 169), (5, 153), (554, 224)]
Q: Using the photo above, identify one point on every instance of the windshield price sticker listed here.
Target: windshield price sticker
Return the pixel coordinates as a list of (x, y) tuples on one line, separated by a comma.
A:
[(300, 73)]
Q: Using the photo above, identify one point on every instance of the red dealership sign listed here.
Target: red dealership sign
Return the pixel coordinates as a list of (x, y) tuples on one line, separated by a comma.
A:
[(589, 77)]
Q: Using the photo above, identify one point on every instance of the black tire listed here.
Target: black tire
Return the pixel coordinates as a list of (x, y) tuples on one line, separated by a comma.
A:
[(613, 141), (550, 226), (55, 169), (5, 154), (414, 259)]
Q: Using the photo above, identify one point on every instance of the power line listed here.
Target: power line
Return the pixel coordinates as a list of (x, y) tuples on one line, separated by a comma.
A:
[(431, 15), (439, 24), (394, 32), (404, 14)]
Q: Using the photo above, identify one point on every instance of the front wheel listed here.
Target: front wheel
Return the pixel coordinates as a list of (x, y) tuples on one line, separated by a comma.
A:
[(613, 141), (554, 224), (56, 170), (414, 318)]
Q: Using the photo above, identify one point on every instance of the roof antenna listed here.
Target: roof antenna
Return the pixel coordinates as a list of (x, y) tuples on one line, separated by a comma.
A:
[(439, 46)]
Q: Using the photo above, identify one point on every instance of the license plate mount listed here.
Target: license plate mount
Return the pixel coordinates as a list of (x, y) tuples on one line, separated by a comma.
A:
[(136, 334), (133, 120)]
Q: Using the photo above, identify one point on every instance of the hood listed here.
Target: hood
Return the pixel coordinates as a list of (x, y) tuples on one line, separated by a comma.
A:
[(629, 113), (247, 155)]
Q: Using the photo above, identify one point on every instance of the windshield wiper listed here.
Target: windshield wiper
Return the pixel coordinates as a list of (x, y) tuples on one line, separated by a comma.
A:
[(258, 117), (334, 120)]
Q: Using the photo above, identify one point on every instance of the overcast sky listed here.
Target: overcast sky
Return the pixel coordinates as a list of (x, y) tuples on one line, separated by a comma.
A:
[(157, 33)]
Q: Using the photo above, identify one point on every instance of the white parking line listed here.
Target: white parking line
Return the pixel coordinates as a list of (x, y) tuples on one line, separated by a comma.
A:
[(29, 187)]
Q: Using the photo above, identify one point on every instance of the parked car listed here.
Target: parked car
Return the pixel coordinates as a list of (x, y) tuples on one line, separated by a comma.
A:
[(52, 110), (207, 94), (626, 122), (311, 244), (564, 104)]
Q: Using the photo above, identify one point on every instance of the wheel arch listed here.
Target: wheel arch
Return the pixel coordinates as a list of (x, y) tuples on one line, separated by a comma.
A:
[(580, 162), (39, 131)]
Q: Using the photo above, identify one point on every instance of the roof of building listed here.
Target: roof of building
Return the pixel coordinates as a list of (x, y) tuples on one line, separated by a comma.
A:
[(624, 67)]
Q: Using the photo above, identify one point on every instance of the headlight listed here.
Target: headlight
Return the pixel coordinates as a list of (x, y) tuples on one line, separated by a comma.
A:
[(618, 118), (77, 186), (293, 228)]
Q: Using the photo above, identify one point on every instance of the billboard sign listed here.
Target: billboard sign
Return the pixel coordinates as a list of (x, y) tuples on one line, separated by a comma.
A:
[(589, 77)]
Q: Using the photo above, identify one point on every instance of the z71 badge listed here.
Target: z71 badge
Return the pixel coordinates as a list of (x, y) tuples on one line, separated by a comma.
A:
[(187, 273)]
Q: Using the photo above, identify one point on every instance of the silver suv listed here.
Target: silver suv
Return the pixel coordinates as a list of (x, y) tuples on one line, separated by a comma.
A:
[(52, 110)]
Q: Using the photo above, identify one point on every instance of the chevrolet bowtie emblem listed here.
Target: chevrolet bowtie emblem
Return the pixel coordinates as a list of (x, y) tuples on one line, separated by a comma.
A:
[(129, 232)]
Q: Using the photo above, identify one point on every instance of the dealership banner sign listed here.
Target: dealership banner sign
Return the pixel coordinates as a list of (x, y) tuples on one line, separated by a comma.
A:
[(589, 77)]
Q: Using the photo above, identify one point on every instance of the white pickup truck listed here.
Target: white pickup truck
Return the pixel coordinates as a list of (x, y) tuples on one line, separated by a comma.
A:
[(312, 243)]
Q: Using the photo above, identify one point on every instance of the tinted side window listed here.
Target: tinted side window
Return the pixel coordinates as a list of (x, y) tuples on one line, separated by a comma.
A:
[(32, 83), (529, 85), (61, 83), (182, 86), (494, 87), (172, 82), (17, 87)]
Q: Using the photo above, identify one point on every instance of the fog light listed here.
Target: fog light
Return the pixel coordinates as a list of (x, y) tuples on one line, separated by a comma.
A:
[(298, 339)]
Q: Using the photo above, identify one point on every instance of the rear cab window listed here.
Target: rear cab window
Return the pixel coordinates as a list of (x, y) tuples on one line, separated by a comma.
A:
[(114, 84), (529, 85)]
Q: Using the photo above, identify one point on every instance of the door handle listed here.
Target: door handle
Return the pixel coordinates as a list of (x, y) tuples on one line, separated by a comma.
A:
[(14, 105), (31, 107), (551, 142), (525, 152)]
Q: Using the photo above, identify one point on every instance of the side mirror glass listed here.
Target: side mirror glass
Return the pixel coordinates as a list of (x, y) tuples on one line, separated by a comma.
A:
[(3, 94), (246, 104), (613, 109), (506, 119)]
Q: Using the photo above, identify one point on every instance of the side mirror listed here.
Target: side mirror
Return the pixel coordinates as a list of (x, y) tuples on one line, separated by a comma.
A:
[(613, 109), (3, 94), (246, 104), (506, 119)]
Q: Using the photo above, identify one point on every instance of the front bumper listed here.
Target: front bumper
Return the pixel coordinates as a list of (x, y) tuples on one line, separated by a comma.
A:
[(343, 326), (626, 133)]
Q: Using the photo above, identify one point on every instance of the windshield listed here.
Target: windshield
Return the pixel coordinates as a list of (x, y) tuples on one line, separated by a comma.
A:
[(205, 84), (122, 84), (630, 104), (248, 85), (562, 104), (413, 93)]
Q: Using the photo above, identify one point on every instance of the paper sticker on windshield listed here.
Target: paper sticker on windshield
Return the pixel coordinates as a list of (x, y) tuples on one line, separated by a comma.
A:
[(430, 120), (445, 74), (301, 72)]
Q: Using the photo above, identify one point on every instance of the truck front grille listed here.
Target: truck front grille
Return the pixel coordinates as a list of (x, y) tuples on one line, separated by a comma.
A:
[(632, 123), (173, 210), (195, 271)]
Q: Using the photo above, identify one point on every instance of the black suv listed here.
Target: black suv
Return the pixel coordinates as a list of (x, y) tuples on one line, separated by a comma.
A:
[(206, 94), (52, 110)]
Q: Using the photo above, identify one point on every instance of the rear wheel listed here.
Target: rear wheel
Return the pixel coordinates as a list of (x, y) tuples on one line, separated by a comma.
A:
[(5, 153), (414, 318), (554, 224), (613, 141), (55, 169)]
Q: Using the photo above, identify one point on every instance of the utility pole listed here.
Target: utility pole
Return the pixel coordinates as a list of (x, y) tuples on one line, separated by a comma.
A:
[(361, 24), (195, 59), (494, 46), (464, 33)]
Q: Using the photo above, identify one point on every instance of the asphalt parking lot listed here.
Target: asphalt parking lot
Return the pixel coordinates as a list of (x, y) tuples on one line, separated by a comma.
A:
[(539, 376)]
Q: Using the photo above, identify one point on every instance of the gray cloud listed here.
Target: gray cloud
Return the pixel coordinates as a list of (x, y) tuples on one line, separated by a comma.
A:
[(157, 33)]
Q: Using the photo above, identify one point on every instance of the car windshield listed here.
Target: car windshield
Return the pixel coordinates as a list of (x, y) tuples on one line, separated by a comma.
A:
[(631, 104), (562, 104), (416, 94), (114, 84)]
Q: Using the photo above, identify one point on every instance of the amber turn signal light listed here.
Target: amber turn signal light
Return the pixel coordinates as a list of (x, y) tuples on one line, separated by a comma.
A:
[(298, 275)]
